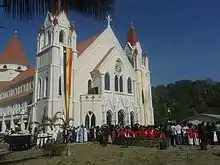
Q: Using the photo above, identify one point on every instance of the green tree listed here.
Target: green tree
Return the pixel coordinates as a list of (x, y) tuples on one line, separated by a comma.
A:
[(186, 98)]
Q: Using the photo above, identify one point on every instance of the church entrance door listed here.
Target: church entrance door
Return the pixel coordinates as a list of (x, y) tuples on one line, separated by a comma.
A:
[(90, 120)]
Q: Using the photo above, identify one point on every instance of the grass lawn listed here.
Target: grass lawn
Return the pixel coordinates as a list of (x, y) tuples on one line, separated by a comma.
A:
[(94, 154)]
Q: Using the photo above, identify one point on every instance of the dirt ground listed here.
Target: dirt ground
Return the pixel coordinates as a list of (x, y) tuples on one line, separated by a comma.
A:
[(94, 154)]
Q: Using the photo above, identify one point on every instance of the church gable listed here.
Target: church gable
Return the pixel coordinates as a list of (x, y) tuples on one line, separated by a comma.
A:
[(48, 20), (63, 20), (115, 62)]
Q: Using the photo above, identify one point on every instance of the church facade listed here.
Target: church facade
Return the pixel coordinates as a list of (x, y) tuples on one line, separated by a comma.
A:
[(93, 83)]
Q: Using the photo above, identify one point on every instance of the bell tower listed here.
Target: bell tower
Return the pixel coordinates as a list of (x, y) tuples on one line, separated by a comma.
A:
[(55, 57), (139, 60)]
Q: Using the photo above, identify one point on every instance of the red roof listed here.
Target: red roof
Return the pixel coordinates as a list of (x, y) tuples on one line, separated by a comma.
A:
[(132, 37), (81, 47), (16, 97), (14, 53)]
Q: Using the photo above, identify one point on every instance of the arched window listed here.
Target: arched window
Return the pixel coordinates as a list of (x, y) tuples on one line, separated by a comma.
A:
[(60, 87), (46, 87), (39, 88), (49, 37), (129, 85), (132, 118), (116, 83), (107, 81), (121, 83), (142, 94), (89, 86), (45, 39), (121, 117), (62, 36), (109, 117)]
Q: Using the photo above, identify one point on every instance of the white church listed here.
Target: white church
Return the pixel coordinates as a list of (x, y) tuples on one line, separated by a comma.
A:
[(94, 82)]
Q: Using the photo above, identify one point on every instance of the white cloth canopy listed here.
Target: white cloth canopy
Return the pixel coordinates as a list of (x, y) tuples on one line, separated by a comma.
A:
[(3, 129), (12, 124)]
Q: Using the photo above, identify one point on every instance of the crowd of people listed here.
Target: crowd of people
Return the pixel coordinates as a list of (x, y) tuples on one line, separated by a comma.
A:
[(174, 133), (189, 134)]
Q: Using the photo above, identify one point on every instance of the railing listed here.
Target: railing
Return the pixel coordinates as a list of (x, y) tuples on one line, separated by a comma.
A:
[(91, 97)]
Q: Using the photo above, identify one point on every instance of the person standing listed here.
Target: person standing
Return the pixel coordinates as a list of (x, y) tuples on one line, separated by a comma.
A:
[(173, 132), (179, 140)]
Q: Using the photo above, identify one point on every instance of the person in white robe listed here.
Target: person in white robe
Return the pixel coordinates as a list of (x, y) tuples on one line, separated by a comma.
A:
[(85, 132), (77, 134), (215, 138)]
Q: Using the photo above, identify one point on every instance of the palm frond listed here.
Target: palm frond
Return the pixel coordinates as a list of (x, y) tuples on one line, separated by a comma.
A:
[(30, 9)]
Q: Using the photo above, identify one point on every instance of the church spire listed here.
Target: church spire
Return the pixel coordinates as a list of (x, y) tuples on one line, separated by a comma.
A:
[(132, 37)]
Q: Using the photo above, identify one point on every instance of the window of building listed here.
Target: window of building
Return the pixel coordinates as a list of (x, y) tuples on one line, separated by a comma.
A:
[(49, 37), (31, 85), (107, 81), (60, 87), (46, 87), (39, 88), (5, 67), (129, 85), (116, 83), (89, 86), (121, 83), (61, 36)]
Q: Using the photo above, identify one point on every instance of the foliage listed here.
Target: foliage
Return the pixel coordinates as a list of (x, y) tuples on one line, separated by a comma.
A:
[(47, 121), (54, 149), (186, 98), (26, 9), (65, 123)]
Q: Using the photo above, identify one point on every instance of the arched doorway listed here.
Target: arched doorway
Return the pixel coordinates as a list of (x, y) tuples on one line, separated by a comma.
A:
[(87, 121), (93, 120), (90, 120), (109, 117), (132, 116), (121, 117)]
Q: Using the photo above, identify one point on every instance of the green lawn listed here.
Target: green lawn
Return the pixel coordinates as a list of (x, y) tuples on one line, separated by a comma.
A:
[(94, 154)]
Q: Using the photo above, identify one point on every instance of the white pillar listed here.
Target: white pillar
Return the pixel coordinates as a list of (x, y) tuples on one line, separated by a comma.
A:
[(102, 84)]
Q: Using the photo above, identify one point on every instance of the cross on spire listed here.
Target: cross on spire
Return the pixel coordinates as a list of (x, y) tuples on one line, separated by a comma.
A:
[(108, 18)]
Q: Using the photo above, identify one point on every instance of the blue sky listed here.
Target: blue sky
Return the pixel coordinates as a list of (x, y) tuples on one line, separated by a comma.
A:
[(181, 36)]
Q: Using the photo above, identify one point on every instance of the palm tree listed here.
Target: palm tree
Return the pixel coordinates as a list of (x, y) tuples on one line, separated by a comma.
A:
[(48, 121), (30, 9), (65, 123)]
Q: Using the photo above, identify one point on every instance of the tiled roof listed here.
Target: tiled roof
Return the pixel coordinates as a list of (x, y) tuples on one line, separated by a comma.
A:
[(15, 97), (132, 36), (29, 73), (3, 84), (81, 47), (14, 53)]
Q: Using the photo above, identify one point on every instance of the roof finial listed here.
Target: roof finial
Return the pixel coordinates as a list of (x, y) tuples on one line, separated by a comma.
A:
[(15, 32), (108, 18), (132, 25)]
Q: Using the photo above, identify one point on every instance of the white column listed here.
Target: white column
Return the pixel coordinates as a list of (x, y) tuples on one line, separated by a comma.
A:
[(102, 84), (103, 115)]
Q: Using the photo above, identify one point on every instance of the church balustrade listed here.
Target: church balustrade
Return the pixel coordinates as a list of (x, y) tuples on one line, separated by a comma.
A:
[(91, 97)]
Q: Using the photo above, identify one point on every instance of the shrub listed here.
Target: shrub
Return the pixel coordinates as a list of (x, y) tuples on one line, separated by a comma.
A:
[(163, 144), (54, 149)]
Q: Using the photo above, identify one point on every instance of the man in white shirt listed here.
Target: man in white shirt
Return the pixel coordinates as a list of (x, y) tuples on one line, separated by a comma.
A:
[(173, 132), (179, 140)]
